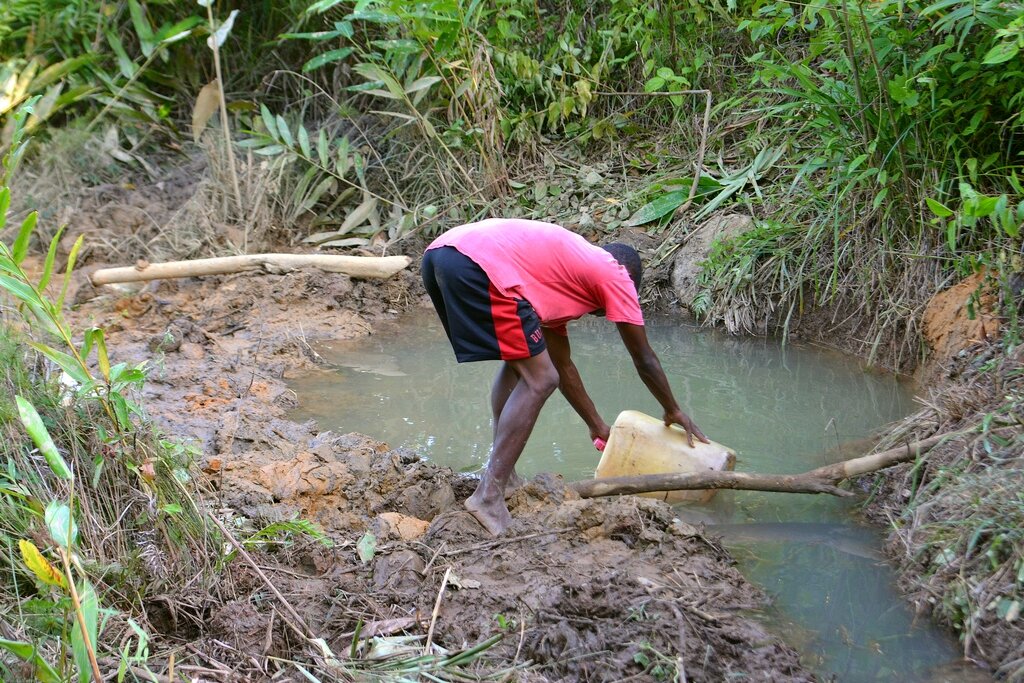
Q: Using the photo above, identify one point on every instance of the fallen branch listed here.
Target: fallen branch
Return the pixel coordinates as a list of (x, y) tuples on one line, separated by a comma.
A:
[(879, 461), (437, 610), (376, 267), (820, 480), (697, 481)]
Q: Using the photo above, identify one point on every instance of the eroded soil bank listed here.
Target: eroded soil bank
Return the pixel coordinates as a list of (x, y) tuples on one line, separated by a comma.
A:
[(583, 589)]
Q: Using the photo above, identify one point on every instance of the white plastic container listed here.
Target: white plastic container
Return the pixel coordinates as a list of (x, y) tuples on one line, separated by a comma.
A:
[(641, 444)]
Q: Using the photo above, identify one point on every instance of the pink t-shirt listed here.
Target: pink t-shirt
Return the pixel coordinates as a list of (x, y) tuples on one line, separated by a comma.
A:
[(563, 276)]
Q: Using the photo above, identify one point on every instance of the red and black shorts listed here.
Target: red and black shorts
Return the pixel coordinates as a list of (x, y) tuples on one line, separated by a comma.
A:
[(481, 323)]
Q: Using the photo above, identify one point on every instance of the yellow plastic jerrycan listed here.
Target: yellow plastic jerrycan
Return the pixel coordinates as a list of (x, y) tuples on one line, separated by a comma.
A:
[(641, 444)]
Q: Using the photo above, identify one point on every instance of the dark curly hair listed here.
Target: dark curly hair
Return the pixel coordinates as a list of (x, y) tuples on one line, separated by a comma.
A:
[(628, 259)]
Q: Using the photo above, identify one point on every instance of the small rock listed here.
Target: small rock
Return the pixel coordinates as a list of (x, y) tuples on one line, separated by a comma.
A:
[(592, 179), (168, 341), (405, 527), (213, 465), (686, 269)]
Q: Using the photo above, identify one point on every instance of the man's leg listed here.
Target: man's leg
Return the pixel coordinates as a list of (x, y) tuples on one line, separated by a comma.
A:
[(502, 388), (536, 379)]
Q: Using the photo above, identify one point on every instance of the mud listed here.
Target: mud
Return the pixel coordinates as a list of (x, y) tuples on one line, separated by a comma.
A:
[(580, 589)]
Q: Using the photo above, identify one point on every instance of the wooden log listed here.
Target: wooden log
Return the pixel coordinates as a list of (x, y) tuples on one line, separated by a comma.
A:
[(375, 267), (782, 483), (820, 480), (879, 461)]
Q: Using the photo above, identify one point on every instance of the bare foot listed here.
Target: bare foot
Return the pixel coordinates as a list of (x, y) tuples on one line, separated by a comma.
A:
[(492, 514)]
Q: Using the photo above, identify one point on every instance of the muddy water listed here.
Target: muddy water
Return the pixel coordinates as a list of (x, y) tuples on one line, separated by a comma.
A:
[(782, 409)]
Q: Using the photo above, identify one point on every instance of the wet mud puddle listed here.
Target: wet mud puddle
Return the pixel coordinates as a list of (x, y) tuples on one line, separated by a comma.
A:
[(782, 409)]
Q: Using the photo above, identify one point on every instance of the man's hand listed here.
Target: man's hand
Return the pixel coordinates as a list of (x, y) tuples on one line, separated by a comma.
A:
[(600, 434), (649, 368), (683, 420)]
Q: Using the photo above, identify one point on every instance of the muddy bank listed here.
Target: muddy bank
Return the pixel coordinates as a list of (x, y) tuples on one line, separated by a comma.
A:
[(583, 590), (956, 516)]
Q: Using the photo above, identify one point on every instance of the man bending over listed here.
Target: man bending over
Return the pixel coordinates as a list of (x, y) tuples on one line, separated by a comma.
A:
[(504, 290)]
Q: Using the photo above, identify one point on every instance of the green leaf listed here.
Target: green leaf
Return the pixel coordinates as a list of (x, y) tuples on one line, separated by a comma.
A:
[(269, 121), (666, 203), (51, 256), (124, 63), (84, 643), (654, 84), (61, 524), (270, 150), (1003, 52), (422, 83), (1008, 223), (323, 149), (72, 257), (142, 28), (304, 145), (981, 206), (285, 132), (937, 208), (170, 33), (880, 197), (374, 72), (44, 673), (120, 406), (41, 312), (20, 248), (314, 35), (328, 57), (367, 547), (19, 289), (64, 361), (5, 203), (94, 335), (42, 439), (399, 47)]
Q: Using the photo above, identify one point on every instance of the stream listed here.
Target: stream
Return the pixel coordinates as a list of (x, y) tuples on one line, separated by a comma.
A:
[(783, 409)]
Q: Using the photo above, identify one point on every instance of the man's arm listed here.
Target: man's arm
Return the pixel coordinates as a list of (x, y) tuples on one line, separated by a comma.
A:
[(634, 337), (571, 384)]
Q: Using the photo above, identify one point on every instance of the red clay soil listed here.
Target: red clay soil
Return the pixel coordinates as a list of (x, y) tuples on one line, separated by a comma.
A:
[(583, 590)]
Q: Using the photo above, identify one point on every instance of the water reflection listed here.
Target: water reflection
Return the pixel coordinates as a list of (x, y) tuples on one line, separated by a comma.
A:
[(782, 409)]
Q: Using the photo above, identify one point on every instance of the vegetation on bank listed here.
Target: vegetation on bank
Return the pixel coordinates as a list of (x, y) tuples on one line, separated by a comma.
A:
[(97, 512), (878, 146), (957, 516)]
